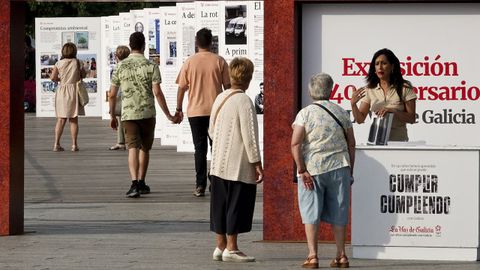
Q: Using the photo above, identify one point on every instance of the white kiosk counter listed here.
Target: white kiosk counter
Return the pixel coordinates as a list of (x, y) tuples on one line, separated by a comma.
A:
[(416, 202)]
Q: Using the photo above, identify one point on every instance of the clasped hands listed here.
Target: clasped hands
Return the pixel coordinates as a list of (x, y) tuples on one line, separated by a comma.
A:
[(177, 118)]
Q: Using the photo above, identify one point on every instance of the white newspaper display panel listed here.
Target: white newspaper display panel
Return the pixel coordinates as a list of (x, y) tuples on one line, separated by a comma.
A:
[(194, 17), (186, 40), (153, 50), (233, 34), (241, 35), (152, 18), (208, 15), (255, 48), (106, 62), (139, 21), (117, 32), (441, 65), (169, 70), (50, 35), (126, 27), (112, 37)]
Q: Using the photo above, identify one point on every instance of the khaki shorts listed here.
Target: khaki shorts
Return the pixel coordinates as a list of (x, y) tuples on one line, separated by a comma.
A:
[(139, 133)]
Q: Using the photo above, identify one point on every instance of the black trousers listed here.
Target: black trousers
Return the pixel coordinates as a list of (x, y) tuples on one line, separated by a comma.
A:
[(232, 204), (199, 126)]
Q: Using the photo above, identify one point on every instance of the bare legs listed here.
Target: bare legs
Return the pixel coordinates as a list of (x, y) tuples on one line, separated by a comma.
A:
[(120, 136), (221, 241), (74, 131), (339, 233), (227, 241), (138, 160), (59, 131), (120, 133), (311, 231)]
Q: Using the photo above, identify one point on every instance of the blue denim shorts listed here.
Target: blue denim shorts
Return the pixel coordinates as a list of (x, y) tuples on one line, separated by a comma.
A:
[(329, 201)]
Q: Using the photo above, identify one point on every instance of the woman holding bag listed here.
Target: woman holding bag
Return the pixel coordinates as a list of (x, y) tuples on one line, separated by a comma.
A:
[(323, 147), (236, 167), (67, 72)]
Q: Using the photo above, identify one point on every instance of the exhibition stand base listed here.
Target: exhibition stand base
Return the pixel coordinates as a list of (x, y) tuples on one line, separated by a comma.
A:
[(416, 253)]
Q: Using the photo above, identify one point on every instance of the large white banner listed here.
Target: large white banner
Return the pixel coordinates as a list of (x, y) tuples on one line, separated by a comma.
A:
[(436, 45), (415, 198), (50, 35)]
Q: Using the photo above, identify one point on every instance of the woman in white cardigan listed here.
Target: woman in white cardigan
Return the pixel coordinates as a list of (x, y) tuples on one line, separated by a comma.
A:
[(236, 167)]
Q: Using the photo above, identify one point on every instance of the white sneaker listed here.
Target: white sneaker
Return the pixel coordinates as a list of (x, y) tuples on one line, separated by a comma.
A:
[(236, 256), (217, 254)]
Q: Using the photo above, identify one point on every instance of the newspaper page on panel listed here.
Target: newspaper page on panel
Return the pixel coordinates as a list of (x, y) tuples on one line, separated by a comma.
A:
[(106, 62), (186, 23), (50, 35), (255, 44), (139, 21), (168, 68)]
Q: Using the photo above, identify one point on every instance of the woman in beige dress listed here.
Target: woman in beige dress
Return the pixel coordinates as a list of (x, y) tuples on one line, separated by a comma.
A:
[(68, 72)]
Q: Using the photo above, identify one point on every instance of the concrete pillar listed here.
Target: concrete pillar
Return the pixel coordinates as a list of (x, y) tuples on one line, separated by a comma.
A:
[(12, 33)]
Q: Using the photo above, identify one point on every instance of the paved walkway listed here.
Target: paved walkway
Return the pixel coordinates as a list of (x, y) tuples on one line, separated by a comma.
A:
[(76, 215)]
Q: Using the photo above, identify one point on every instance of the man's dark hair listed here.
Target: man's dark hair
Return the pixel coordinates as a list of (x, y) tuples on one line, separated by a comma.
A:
[(204, 38), (137, 41)]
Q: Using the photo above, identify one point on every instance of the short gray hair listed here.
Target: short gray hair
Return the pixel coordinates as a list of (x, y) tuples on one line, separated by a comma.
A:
[(320, 86)]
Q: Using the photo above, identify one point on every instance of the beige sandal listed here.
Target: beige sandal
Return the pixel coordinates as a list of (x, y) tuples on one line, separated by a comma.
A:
[(118, 146)]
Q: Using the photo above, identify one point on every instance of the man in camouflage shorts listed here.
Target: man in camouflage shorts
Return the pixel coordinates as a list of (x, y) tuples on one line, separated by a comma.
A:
[(140, 82)]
